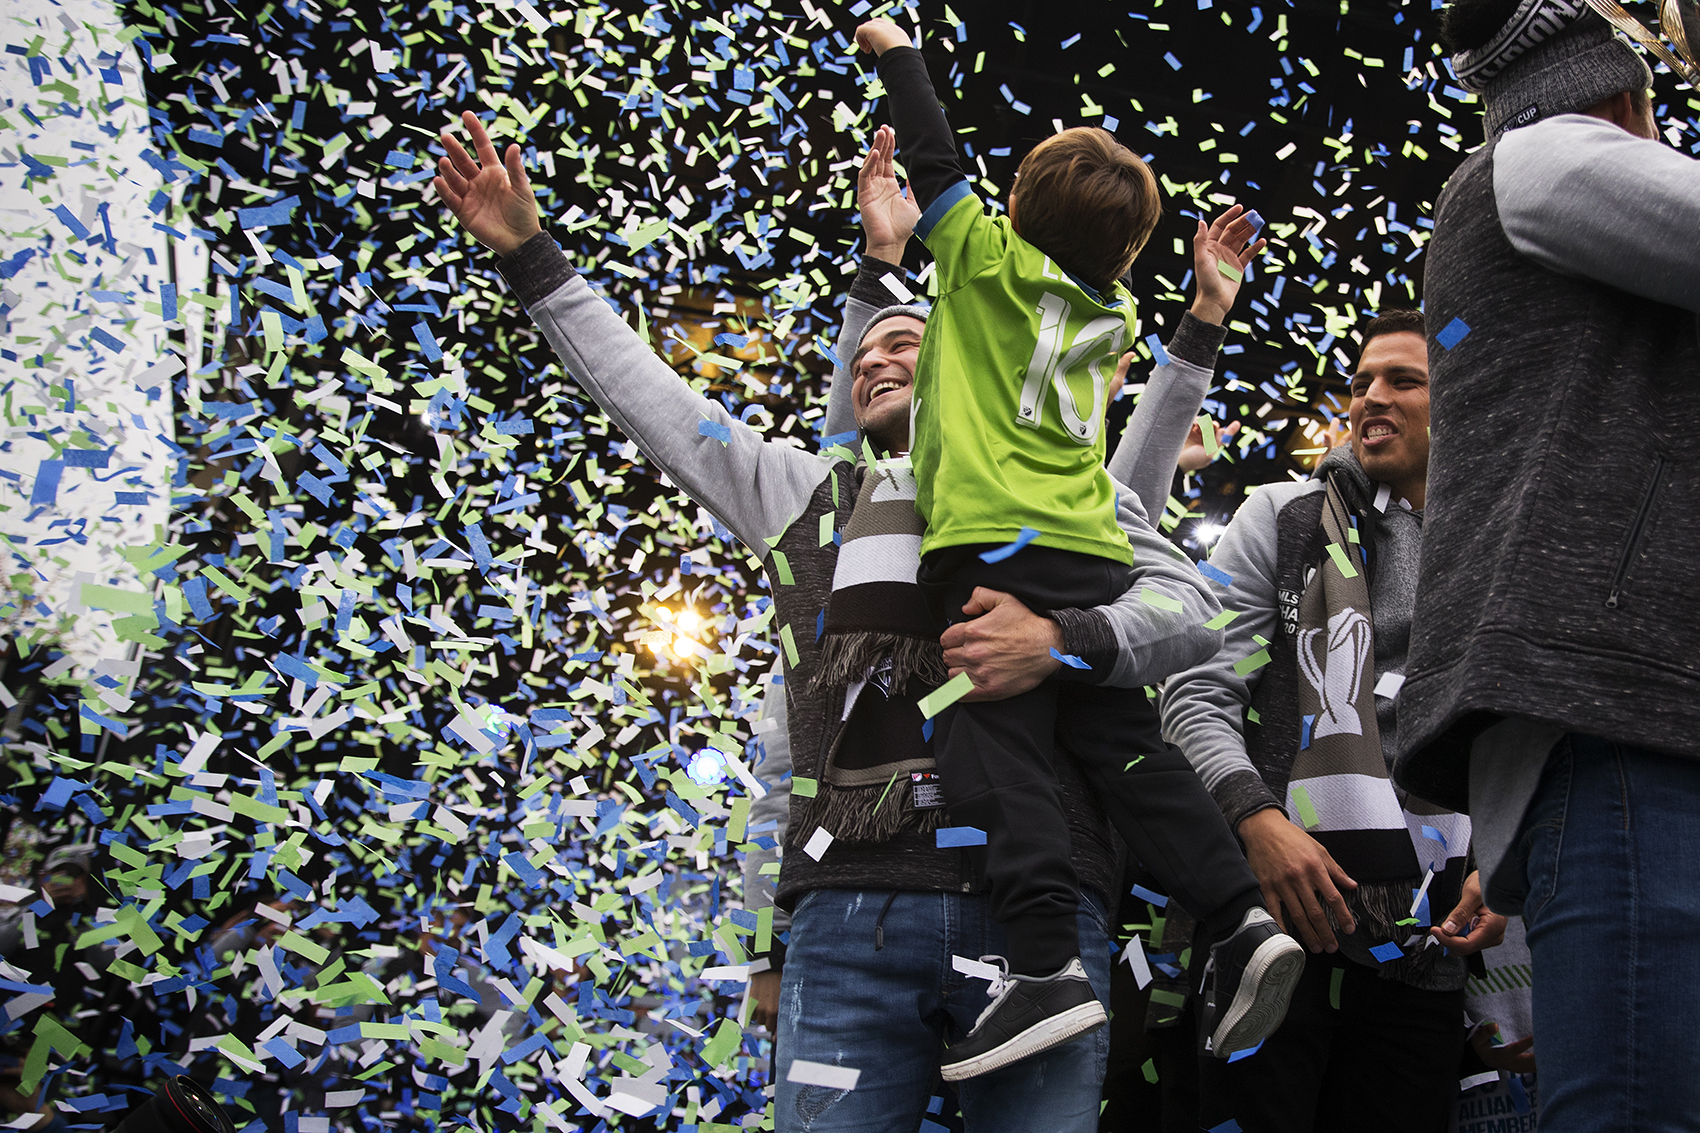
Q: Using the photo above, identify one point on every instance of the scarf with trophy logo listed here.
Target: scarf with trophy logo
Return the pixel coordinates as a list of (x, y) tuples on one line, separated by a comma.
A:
[(880, 646), (1339, 790)]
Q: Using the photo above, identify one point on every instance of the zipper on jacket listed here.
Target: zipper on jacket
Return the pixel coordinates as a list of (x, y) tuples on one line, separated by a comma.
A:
[(1636, 532)]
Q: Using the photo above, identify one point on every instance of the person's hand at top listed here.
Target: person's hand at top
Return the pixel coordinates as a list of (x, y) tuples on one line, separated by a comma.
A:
[(1231, 241), (889, 214), (492, 199), (1195, 454), (880, 36)]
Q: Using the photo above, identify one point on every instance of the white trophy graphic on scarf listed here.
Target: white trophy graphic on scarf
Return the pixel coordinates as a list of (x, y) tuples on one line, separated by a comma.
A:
[(1337, 680)]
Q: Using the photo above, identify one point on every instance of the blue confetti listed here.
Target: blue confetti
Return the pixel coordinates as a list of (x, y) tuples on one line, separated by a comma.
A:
[(1453, 333), (1157, 350), (69, 220), (1026, 536), (1152, 896)]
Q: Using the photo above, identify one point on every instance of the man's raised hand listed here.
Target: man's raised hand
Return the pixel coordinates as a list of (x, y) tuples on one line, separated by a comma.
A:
[(1195, 454), (889, 215), (1228, 242), (494, 201)]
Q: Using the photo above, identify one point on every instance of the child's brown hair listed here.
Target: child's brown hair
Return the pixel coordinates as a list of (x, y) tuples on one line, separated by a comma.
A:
[(1087, 202)]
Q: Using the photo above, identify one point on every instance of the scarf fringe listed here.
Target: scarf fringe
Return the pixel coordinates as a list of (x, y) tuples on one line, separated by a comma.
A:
[(1379, 906), (848, 813), (847, 657)]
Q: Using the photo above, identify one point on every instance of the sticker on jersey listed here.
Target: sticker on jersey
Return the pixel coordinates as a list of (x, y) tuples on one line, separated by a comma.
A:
[(925, 790)]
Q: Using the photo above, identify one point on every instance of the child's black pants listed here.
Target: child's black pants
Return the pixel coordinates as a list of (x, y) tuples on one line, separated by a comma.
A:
[(995, 766)]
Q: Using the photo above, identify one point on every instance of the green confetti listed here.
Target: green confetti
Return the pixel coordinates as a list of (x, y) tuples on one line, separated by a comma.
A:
[(1347, 570), (1307, 811), (1248, 665), (1161, 601), (945, 695), (1221, 620), (725, 1041)]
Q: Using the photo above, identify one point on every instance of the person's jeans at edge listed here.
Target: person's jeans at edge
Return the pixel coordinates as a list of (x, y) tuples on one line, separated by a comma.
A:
[(888, 1013), (1612, 850)]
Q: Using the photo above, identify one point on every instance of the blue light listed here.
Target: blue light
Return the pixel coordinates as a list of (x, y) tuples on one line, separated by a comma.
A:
[(706, 768)]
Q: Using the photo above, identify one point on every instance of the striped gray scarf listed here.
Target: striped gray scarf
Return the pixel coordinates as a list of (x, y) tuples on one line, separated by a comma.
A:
[(1339, 790), (879, 646)]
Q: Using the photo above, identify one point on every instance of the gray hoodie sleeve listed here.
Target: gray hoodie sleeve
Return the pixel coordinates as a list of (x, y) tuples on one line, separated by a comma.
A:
[(773, 807), (1141, 637), (868, 296), (754, 487), (1204, 707), (1583, 197), (1145, 457)]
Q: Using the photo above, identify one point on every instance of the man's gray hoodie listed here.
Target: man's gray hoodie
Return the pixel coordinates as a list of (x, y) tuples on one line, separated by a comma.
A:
[(1264, 553)]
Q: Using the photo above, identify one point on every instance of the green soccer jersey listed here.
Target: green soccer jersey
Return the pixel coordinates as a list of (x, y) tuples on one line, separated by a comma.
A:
[(1009, 391)]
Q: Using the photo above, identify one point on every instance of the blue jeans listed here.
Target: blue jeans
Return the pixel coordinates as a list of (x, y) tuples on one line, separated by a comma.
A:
[(889, 1012), (1612, 838)]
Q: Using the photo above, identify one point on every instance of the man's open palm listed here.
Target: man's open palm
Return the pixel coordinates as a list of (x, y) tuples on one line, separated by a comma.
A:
[(889, 214), (493, 201), (1228, 241)]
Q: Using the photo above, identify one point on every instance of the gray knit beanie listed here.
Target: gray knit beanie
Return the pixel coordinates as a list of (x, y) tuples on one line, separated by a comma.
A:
[(1552, 57), (912, 310)]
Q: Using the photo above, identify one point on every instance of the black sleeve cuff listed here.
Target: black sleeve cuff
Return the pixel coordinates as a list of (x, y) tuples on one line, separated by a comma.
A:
[(1197, 341), (1088, 635), (1241, 795), (867, 288), (536, 268)]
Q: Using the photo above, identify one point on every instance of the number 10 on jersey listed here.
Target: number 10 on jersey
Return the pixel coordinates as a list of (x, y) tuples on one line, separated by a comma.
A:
[(1095, 348)]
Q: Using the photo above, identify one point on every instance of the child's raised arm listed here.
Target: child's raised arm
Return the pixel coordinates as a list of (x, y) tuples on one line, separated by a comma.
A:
[(924, 136)]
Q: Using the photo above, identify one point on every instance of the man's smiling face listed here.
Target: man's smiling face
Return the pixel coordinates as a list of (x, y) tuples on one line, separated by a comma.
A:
[(1389, 413), (884, 376)]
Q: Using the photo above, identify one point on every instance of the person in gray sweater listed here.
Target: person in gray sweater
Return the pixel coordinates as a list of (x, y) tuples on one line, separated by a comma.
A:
[(883, 1003), (1293, 726), (1554, 691)]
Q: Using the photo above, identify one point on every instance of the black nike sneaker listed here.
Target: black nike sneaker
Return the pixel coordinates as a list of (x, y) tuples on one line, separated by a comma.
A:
[(1027, 1015), (1251, 981)]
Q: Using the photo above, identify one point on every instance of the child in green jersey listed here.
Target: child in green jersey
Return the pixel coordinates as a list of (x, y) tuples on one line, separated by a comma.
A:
[(1008, 453)]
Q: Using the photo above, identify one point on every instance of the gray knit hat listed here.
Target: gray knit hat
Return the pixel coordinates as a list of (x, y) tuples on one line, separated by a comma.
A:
[(1552, 57), (912, 310)]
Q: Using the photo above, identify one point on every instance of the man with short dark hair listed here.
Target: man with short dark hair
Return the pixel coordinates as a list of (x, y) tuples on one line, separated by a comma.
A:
[(1553, 685), (1293, 728)]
